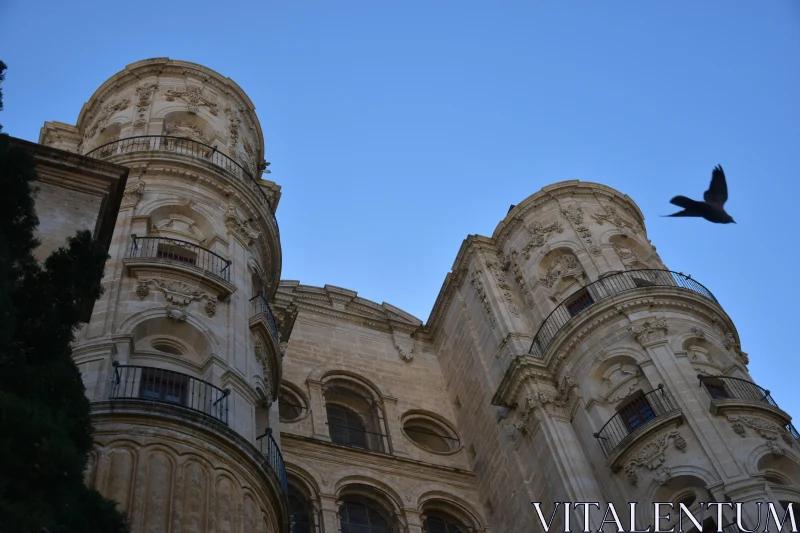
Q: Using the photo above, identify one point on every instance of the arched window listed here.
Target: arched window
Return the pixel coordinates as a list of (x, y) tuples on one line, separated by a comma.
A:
[(300, 512), (354, 416), (363, 516), (437, 522)]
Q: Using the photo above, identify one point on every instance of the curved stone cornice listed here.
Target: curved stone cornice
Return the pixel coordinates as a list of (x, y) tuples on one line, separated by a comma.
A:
[(344, 304), (131, 75), (560, 190)]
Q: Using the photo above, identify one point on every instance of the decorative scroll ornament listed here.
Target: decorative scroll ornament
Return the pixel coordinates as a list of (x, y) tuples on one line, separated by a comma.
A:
[(194, 100), (650, 331), (565, 266), (735, 348), (560, 405), (513, 264), (179, 295), (653, 454), (105, 114), (133, 193), (404, 346), (698, 332), (540, 235), (499, 274), (627, 255), (240, 227), (609, 214), (765, 429), (574, 214), (233, 126), (526, 422), (477, 284), (181, 129), (663, 475), (144, 93)]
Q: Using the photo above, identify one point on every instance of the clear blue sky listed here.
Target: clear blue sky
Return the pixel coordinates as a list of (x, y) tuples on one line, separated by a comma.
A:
[(398, 127)]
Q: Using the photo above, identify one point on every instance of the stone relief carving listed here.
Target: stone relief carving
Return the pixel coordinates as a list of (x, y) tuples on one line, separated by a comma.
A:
[(697, 332), (540, 235), (663, 475), (650, 331), (240, 227), (477, 283), (179, 295), (260, 354), (144, 93), (765, 429), (614, 379), (627, 255), (133, 193), (610, 214), (105, 114), (735, 348), (194, 100), (181, 129), (561, 405), (234, 121), (512, 263), (404, 346), (574, 214), (499, 274), (653, 454), (560, 271), (775, 448), (526, 422)]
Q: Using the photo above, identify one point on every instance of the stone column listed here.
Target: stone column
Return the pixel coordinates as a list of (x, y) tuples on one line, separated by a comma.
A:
[(414, 520), (330, 513), (396, 442), (319, 417), (274, 422)]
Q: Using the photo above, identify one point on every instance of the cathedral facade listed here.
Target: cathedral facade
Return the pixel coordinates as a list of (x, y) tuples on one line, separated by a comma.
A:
[(562, 361)]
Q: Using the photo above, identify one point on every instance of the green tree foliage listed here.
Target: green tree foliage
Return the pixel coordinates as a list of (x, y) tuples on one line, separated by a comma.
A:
[(46, 431)]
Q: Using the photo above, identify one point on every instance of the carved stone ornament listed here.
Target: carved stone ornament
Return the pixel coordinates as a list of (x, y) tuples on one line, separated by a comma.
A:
[(565, 266), (404, 346), (260, 354), (650, 331), (697, 332), (610, 214), (574, 214), (653, 454), (735, 348), (663, 475), (477, 284), (179, 295), (512, 263), (765, 429), (133, 193), (142, 291), (144, 93), (105, 114), (561, 405), (499, 274), (282, 347), (233, 126), (627, 255), (775, 448), (181, 129), (239, 227), (526, 422), (211, 307), (194, 100), (540, 235)]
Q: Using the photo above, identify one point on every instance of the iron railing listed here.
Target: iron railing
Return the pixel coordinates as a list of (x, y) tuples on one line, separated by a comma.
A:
[(635, 415), (605, 288), (261, 307), (724, 388), (182, 252), (187, 147), (269, 449), (168, 386)]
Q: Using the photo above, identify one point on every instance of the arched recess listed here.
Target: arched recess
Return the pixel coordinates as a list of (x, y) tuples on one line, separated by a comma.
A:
[(445, 513), (632, 254), (560, 274), (689, 490), (366, 508), (782, 474), (705, 357), (304, 506), (355, 412), (107, 136), (158, 339), (188, 126), (181, 222), (430, 431), (292, 403), (615, 377)]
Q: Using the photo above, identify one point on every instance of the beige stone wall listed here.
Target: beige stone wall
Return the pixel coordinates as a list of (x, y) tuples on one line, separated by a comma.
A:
[(63, 212), (340, 336)]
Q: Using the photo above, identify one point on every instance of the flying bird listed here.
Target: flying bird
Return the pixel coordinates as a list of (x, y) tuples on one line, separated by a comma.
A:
[(715, 197)]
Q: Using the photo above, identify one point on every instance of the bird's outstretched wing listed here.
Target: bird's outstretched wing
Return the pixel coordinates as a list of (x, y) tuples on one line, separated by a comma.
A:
[(717, 193)]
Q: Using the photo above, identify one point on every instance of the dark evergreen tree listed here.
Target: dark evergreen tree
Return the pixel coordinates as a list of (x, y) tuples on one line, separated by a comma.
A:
[(46, 431)]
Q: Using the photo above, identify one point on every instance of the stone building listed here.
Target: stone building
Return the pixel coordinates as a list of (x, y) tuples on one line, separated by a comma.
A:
[(562, 361)]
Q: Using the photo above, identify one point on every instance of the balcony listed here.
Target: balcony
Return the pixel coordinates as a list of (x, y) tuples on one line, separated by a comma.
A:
[(158, 253), (729, 392), (132, 382), (262, 317), (604, 288), (269, 448), (187, 148), (646, 412)]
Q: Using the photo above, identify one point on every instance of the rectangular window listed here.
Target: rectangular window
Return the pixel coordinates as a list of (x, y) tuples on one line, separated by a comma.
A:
[(163, 385), (580, 301), (716, 391), (176, 253), (637, 413)]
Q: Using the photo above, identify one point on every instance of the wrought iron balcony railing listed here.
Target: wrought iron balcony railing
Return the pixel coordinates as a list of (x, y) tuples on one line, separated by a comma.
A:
[(730, 388), (168, 386), (269, 448), (261, 307), (635, 415), (187, 147), (181, 251), (605, 288)]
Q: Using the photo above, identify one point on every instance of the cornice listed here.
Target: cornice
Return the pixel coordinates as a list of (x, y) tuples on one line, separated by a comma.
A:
[(344, 304), (327, 452)]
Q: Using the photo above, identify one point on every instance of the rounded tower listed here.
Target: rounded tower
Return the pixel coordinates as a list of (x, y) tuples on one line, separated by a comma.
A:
[(182, 356), (614, 378)]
